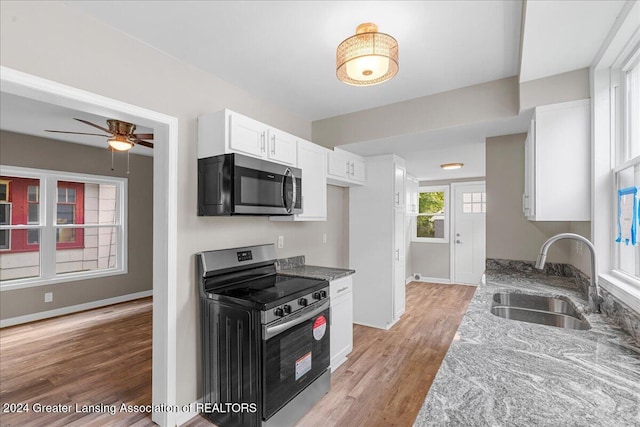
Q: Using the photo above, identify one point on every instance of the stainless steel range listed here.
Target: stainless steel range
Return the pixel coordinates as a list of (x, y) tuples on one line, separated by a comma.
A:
[(265, 339)]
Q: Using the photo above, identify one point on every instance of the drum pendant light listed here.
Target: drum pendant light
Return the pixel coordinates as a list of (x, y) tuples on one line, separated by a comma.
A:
[(367, 58)]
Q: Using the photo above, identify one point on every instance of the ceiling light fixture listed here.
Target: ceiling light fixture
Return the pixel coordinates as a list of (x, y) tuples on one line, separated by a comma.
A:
[(367, 58), (120, 143), (448, 166)]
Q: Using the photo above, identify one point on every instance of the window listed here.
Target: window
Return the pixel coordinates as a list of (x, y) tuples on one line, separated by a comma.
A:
[(432, 220), (626, 173), (474, 202), (57, 226)]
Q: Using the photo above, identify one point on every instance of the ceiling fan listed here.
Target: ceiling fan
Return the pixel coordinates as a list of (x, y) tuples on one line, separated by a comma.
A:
[(121, 136)]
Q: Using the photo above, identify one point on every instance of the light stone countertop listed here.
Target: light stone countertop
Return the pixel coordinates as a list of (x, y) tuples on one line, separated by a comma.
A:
[(501, 372)]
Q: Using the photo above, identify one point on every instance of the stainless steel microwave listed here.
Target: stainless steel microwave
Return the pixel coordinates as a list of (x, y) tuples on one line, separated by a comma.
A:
[(233, 184)]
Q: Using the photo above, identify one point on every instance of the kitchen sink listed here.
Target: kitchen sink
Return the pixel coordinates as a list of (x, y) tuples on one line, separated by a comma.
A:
[(550, 311)]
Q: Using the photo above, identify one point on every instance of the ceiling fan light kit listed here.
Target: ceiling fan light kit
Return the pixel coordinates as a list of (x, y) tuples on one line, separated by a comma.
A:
[(120, 143), (367, 58), (120, 136)]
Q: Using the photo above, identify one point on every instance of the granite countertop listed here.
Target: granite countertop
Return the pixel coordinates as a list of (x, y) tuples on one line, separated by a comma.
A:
[(501, 372), (295, 266)]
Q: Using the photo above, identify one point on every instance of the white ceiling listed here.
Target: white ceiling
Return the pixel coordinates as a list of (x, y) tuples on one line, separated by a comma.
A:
[(284, 53), (561, 36)]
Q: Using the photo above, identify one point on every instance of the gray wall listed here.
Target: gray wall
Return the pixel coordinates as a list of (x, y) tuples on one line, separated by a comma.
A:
[(569, 86), (56, 42), (474, 104), (42, 153), (509, 234)]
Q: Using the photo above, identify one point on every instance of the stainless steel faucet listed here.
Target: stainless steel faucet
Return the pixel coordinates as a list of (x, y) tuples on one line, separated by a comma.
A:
[(594, 295)]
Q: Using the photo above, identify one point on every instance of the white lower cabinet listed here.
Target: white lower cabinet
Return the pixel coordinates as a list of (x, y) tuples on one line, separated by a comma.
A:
[(341, 291)]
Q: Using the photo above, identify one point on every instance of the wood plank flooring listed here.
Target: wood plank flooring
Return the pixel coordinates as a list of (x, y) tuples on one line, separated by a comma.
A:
[(387, 376), (103, 356)]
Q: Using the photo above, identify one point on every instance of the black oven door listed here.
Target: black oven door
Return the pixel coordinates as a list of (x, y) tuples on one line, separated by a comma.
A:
[(296, 352)]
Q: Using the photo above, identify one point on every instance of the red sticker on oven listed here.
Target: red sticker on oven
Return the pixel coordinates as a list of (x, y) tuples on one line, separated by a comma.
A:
[(319, 327)]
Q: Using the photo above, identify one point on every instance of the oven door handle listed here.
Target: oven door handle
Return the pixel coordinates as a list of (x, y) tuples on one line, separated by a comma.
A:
[(271, 331)]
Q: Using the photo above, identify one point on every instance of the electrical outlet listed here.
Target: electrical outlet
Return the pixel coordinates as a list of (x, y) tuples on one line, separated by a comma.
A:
[(324, 237), (280, 242), (48, 296)]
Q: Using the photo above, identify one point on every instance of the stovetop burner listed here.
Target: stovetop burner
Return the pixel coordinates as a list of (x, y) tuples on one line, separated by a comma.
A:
[(268, 292)]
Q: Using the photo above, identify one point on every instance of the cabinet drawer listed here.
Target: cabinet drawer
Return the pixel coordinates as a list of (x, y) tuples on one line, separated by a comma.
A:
[(341, 287)]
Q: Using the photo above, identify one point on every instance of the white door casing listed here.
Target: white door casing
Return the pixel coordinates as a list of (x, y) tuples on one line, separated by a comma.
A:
[(468, 232), (165, 195)]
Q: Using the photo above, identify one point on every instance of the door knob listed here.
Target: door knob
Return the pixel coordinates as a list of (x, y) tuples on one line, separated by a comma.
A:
[(458, 241)]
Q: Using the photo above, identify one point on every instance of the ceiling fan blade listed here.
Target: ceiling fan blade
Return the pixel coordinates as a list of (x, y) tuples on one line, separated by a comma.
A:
[(143, 135), (76, 133), (95, 126), (143, 143)]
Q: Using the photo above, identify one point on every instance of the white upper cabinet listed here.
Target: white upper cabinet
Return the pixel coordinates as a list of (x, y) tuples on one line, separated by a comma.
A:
[(345, 169), (411, 192), (312, 159), (282, 147), (399, 186), (246, 136), (557, 163), (225, 132)]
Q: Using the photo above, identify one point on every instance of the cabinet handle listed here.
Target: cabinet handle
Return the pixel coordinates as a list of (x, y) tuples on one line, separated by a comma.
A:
[(273, 145), (352, 169), (342, 290), (397, 254), (347, 168), (262, 138), (397, 198)]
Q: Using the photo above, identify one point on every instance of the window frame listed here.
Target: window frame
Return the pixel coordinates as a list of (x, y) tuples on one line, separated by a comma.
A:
[(621, 146), (607, 129), (447, 208), (48, 225)]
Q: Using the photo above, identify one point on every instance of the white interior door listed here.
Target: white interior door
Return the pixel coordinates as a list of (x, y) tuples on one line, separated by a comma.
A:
[(468, 232)]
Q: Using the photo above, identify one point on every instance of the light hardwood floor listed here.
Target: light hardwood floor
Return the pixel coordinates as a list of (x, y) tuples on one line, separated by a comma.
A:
[(104, 356), (101, 356)]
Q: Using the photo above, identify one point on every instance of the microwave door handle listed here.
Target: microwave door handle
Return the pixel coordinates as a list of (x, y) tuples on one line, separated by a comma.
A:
[(288, 174)]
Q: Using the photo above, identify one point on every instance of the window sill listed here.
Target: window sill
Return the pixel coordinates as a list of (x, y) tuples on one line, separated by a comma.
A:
[(63, 278), (626, 290), (427, 240)]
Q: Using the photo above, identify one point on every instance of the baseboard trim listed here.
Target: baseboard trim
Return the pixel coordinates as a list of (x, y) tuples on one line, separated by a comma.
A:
[(432, 280), (72, 309)]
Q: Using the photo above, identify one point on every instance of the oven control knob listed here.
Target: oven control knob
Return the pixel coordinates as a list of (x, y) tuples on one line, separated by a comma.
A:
[(278, 312), (287, 309), (323, 294), (303, 302), (316, 295)]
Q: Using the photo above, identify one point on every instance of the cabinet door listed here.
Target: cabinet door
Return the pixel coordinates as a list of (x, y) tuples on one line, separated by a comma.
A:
[(528, 198), (357, 169), (247, 136), (398, 288), (341, 338), (411, 192), (398, 235), (312, 159), (282, 147), (338, 164), (398, 188)]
